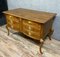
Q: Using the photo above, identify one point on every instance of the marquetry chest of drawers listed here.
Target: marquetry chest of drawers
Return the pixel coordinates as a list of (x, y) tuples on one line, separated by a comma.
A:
[(35, 24)]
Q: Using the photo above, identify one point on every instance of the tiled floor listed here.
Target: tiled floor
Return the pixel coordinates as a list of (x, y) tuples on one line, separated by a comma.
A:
[(16, 45)]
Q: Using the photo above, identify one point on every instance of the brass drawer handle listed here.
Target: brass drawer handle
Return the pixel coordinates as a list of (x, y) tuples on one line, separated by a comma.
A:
[(29, 28), (12, 26), (29, 22), (29, 33), (10, 16)]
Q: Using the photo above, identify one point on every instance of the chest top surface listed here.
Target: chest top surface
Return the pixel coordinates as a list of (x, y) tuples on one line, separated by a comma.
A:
[(33, 15)]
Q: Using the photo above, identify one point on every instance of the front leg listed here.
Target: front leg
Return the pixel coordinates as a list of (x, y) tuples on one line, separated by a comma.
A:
[(7, 29), (41, 44), (50, 33)]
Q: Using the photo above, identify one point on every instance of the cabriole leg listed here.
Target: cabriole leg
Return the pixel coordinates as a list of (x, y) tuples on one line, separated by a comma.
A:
[(50, 33), (7, 29), (41, 44)]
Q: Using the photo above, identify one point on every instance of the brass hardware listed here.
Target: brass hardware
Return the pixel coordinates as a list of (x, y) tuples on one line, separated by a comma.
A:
[(29, 21), (10, 16)]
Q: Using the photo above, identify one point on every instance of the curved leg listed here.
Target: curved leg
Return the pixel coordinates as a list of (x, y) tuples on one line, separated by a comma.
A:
[(7, 29), (41, 44), (50, 33)]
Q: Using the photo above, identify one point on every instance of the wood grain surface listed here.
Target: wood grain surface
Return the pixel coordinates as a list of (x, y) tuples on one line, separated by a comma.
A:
[(32, 15)]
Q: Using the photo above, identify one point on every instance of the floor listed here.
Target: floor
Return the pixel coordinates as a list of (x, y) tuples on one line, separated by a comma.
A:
[(16, 45)]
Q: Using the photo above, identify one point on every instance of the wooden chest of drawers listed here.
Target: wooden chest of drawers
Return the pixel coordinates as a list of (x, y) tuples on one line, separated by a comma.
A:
[(35, 24)]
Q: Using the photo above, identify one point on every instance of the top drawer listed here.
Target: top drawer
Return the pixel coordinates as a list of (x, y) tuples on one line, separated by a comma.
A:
[(31, 23), (12, 18)]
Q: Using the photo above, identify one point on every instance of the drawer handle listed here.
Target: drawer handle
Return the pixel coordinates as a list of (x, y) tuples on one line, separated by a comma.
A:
[(10, 16), (29, 28), (12, 26), (29, 33), (29, 22)]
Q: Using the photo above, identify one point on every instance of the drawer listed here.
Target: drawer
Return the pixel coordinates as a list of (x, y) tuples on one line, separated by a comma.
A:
[(16, 26), (16, 19), (28, 27), (12, 18), (34, 35), (9, 17), (10, 21), (34, 24), (38, 32)]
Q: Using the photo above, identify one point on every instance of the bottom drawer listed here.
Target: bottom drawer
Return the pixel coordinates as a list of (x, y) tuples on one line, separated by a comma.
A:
[(14, 26), (32, 34)]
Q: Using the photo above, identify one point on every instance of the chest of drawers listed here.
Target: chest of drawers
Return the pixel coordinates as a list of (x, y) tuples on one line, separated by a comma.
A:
[(35, 24)]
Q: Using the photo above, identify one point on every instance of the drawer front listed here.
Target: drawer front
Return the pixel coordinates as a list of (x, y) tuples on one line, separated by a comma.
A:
[(16, 26), (34, 35), (29, 27), (9, 19), (31, 23)]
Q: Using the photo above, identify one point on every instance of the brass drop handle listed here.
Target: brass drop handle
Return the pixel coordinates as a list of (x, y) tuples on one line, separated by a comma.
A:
[(29, 22)]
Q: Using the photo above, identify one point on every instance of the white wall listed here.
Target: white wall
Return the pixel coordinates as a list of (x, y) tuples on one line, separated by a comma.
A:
[(43, 5)]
